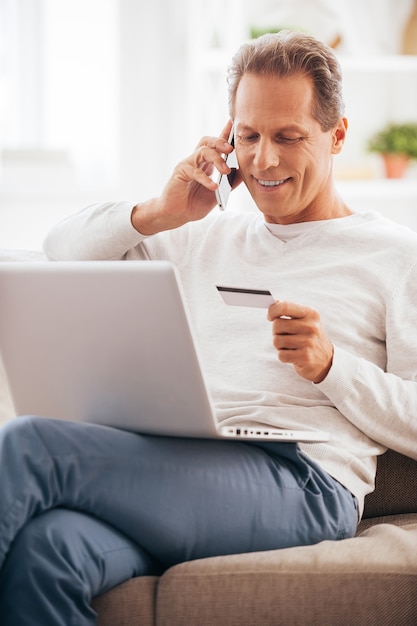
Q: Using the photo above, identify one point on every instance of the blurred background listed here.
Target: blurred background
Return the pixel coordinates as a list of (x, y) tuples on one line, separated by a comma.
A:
[(99, 99)]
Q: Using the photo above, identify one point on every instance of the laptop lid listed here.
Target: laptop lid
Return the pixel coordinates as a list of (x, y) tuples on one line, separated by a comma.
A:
[(107, 342)]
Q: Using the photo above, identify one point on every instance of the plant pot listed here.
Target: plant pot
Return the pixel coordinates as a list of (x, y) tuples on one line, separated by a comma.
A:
[(395, 165)]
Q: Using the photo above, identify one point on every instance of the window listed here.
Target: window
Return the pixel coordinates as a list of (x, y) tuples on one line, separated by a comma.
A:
[(59, 64)]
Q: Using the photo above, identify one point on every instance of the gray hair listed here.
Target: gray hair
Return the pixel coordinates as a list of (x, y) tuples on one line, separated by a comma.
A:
[(287, 53)]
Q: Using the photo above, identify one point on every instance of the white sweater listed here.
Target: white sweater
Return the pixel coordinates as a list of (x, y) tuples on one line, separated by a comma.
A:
[(359, 272)]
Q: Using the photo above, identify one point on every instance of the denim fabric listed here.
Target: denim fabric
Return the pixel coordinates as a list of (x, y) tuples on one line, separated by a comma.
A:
[(85, 507)]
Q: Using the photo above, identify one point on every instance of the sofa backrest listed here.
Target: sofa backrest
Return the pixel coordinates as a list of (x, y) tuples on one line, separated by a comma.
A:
[(395, 487)]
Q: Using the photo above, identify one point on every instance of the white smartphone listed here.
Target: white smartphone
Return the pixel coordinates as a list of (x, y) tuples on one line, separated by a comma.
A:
[(225, 181)]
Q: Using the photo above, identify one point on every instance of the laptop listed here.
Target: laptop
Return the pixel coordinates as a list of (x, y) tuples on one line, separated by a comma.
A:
[(109, 342)]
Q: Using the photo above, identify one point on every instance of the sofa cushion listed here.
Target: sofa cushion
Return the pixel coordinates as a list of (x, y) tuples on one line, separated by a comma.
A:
[(367, 580), (129, 604), (402, 519)]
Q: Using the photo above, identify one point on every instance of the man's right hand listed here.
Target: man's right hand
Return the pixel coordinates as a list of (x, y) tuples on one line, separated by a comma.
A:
[(189, 195)]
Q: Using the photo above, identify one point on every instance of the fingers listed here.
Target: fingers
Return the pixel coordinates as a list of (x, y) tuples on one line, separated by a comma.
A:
[(293, 324), (299, 338), (217, 142), (208, 156), (287, 310), (199, 167)]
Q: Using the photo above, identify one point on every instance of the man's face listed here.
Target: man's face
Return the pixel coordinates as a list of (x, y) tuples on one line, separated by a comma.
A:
[(285, 158)]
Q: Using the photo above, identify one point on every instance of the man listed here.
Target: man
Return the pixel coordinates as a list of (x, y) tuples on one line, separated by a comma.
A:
[(84, 507)]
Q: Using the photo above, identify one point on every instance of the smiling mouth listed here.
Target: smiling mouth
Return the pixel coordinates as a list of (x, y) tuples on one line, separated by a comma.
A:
[(271, 183)]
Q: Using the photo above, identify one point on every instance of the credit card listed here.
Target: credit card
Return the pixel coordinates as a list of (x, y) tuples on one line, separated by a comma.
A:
[(236, 296)]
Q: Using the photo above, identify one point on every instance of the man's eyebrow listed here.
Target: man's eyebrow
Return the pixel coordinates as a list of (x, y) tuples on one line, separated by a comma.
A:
[(242, 127), (284, 129)]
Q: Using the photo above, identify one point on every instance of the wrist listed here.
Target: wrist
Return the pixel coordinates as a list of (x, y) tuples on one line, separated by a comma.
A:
[(323, 373), (145, 217)]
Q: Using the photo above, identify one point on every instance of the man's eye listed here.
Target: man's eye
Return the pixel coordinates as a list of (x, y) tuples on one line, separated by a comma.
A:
[(289, 140), (249, 138)]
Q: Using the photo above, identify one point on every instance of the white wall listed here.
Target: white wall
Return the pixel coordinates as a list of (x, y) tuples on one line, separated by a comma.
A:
[(62, 56), (114, 110), (111, 89), (153, 66)]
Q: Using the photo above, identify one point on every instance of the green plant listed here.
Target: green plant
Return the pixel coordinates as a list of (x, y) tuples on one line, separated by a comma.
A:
[(395, 139), (258, 31)]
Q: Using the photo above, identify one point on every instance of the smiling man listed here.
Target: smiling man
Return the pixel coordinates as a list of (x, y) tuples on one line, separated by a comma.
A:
[(84, 507), (284, 155)]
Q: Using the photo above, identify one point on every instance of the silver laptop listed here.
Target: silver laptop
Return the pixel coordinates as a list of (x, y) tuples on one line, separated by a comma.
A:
[(109, 342)]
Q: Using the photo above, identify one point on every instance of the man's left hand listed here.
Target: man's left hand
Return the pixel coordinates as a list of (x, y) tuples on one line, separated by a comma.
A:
[(299, 337)]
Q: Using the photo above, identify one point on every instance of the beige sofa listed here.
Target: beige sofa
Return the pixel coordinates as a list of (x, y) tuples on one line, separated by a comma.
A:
[(368, 580)]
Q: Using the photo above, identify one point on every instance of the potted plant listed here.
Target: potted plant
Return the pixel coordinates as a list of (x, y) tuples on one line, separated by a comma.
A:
[(397, 143)]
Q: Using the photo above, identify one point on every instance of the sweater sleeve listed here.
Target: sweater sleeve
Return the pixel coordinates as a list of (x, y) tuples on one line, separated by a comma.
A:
[(98, 232), (383, 403)]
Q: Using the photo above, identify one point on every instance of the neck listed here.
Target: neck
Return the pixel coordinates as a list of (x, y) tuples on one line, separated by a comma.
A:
[(324, 207)]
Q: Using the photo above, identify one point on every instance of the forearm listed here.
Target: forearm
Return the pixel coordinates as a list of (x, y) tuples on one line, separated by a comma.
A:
[(109, 231), (99, 232), (149, 218), (382, 405)]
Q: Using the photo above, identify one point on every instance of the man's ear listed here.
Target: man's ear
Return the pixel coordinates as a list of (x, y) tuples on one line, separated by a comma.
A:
[(339, 135)]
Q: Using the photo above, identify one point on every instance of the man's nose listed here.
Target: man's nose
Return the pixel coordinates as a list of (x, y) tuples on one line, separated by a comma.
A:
[(266, 154)]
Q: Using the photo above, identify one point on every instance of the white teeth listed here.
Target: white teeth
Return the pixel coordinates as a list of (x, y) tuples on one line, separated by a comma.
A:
[(271, 183)]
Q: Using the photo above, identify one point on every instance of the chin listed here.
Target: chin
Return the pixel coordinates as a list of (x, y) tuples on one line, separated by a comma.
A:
[(271, 213)]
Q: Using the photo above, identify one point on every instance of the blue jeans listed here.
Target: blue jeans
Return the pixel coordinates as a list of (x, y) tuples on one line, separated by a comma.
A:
[(85, 507)]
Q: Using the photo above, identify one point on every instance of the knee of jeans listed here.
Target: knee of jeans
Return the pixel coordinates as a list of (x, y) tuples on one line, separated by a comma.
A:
[(42, 550), (19, 440), (38, 544), (39, 575), (18, 425)]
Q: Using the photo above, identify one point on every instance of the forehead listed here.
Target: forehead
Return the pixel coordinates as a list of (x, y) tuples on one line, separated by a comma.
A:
[(274, 99)]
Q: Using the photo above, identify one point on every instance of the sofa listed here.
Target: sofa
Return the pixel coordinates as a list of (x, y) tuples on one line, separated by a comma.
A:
[(369, 580)]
